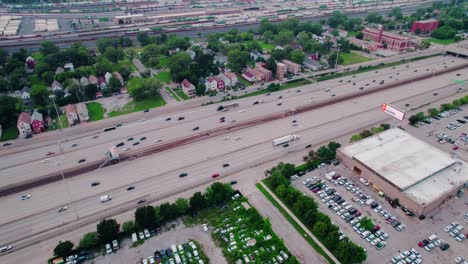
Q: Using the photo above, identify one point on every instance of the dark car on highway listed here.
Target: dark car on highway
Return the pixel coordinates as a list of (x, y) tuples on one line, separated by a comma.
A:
[(120, 144), (81, 160), (131, 188), (233, 182), (136, 143), (141, 201), (146, 111), (95, 184), (143, 138), (130, 139), (181, 118), (183, 174), (195, 128), (225, 165), (168, 119)]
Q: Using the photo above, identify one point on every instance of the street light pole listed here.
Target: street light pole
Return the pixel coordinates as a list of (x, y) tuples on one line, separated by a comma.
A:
[(61, 153), (337, 56)]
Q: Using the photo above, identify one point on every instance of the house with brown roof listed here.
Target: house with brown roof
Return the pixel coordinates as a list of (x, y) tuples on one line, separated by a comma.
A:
[(118, 77), (82, 112), (24, 125), (123, 90), (249, 76), (232, 76), (93, 80), (226, 80), (259, 77), (72, 114), (188, 88)]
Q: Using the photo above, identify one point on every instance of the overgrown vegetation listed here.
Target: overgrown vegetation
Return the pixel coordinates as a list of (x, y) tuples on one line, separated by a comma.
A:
[(367, 133), (95, 111), (431, 112)]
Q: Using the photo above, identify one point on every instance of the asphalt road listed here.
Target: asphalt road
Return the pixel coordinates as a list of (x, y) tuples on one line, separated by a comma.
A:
[(156, 177), (21, 163)]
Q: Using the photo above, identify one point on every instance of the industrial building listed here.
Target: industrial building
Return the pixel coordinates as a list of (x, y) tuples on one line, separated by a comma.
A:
[(393, 41), (425, 26), (403, 167)]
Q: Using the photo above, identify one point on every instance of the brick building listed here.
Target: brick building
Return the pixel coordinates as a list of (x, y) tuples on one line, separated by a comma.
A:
[(393, 41), (292, 67), (425, 26), (281, 70)]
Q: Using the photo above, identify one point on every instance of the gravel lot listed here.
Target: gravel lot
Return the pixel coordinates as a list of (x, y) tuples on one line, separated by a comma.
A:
[(179, 235)]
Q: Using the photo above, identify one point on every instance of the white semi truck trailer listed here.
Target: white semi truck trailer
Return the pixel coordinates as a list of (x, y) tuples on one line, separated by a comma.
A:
[(285, 139)]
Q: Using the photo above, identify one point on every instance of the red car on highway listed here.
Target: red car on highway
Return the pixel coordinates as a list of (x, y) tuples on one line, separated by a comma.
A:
[(216, 175)]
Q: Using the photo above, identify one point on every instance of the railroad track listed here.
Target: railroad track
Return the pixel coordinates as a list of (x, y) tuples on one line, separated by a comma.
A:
[(54, 177)]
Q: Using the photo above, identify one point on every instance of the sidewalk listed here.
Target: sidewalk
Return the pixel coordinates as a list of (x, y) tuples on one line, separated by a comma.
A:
[(300, 223)]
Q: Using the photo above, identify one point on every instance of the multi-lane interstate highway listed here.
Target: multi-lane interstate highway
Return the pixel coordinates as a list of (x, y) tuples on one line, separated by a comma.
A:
[(155, 177)]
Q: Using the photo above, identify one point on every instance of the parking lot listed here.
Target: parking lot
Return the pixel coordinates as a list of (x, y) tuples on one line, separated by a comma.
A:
[(180, 235), (447, 132), (401, 244)]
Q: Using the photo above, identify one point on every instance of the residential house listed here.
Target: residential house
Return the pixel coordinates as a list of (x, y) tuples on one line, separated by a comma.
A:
[(261, 66), (226, 80), (56, 86), (232, 76), (214, 83), (259, 76), (26, 93), (118, 77), (84, 81), (221, 59), (292, 67), (93, 80), (188, 88), (281, 70), (191, 53), (123, 90), (211, 84), (99, 95), (249, 76), (37, 122), (107, 76), (24, 125), (59, 70), (255, 55), (69, 67), (1, 131), (173, 51), (30, 64), (82, 112), (72, 114), (312, 64), (102, 83)]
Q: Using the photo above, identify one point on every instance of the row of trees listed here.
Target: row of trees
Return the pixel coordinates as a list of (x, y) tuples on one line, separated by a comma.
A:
[(431, 112), (367, 133), (306, 209), (148, 217)]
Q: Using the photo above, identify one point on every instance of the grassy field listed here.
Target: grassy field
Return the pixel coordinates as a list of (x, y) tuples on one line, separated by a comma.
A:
[(135, 106), (64, 120), (442, 41), (295, 224), (266, 47), (353, 58), (164, 76), (163, 61), (9, 133), (174, 95), (181, 94), (95, 111), (244, 81)]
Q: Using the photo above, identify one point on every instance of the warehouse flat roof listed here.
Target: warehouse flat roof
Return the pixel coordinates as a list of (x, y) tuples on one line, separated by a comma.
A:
[(399, 158)]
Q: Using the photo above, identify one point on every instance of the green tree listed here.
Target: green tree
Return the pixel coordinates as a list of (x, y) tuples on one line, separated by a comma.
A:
[(197, 202), (3, 57), (150, 53), (336, 19), (374, 18), (272, 87), (42, 67), (90, 91), (180, 67), (48, 77), (218, 193), (268, 36), (365, 133), (298, 56), (284, 37), (310, 217), (385, 126), (276, 179), (4, 86), (40, 96), (359, 35), (320, 229), (128, 227), (181, 206), (63, 249), (238, 59), (413, 119), (397, 13), (89, 241), (332, 59), (143, 38), (367, 224), (108, 230), (10, 108), (145, 217), (432, 111), (114, 54), (103, 43), (102, 67), (444, 32), (149, 88), (332, 240), (48, 47), (114, 84), (200, 89)]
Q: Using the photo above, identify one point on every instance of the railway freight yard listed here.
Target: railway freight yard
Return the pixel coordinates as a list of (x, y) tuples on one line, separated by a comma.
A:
[(161, 156)]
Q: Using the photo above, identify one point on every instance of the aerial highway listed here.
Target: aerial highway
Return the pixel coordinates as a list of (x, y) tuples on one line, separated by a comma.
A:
[(157, 176), (44, 154)]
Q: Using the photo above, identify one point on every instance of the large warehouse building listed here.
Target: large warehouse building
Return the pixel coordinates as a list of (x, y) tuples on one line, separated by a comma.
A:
[(401, 166)]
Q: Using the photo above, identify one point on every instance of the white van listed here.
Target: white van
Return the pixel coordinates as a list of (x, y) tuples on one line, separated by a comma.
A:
[(105, 198), (432, 237), (134, 237), (365, 234), (174, 249)]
